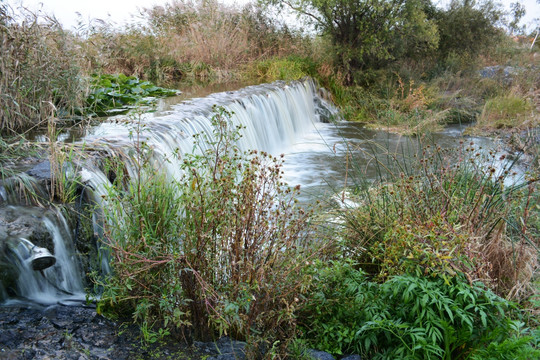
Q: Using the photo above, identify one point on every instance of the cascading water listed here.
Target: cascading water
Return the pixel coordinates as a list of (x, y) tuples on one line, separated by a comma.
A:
[(276, 118), (42, 277), (273, 117)]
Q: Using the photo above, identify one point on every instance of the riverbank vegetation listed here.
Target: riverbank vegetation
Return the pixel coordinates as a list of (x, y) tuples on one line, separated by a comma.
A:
[(414, 68), (438, 258)]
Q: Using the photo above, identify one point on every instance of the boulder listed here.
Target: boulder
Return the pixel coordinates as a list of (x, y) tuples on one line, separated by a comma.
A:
[(319, 355), (41, 171)]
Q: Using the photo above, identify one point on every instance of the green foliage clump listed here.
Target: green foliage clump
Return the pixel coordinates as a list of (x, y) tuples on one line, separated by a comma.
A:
[(431, 247), (290, 68), (112, 92), (369, 33), (468, 27), (410, 317), (443, 214), (220, 251), (506, 112)]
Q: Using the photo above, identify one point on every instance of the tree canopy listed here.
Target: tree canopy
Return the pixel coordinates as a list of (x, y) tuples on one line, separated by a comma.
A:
[(370, 33)]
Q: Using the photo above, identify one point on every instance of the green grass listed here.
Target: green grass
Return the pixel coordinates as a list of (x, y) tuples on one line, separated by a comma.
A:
[(509, 111)]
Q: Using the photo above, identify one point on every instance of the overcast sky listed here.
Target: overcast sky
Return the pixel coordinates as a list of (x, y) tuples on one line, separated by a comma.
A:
[(120, 11)]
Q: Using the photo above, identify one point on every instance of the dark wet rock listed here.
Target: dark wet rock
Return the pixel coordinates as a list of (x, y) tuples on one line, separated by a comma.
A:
[(10, 338), (8, 276), (325, 112), (22, 222), (57, 332), (41, 171), (31, 331), (352, 357), (223, 349), (319, 355)]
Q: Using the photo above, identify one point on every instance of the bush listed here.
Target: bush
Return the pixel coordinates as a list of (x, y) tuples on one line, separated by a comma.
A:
[(445, 213), (410, 317), (468, 27), (220, 251)]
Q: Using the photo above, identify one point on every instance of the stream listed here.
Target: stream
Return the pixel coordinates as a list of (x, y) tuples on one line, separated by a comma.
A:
[(320, 152)]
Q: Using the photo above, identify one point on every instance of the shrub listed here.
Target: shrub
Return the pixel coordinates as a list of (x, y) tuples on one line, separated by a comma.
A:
[(410, 317), (468, 27), (445, 213), (220, 251)]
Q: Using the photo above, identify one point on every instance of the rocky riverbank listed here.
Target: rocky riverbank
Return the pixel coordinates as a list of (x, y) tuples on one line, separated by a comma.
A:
[(77, 332)]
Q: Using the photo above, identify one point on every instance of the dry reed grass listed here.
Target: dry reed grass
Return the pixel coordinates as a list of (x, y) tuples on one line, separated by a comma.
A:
[(201, 40), (37, 68)]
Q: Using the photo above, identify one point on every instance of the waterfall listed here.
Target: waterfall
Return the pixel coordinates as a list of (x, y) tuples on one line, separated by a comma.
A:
[(272, 117), (59, 279)]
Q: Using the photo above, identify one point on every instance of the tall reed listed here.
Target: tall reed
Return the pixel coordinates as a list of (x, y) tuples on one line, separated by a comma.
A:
[(38, 69)]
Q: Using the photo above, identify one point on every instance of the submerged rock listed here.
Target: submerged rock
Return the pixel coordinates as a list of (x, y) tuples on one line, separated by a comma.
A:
[(319, 355), (41, 171)]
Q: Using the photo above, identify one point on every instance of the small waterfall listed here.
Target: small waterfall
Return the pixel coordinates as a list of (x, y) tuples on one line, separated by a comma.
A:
[(62, 280), (273, 117), (96, 184), (67, 275)]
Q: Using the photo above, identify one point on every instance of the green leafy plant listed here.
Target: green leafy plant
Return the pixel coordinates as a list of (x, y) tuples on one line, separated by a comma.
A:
[(112, 92), (444, 213), (410, 316)]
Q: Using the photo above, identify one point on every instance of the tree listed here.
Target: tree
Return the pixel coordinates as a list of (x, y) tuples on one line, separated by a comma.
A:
[(368, 33), (517, 11), (468, 26)]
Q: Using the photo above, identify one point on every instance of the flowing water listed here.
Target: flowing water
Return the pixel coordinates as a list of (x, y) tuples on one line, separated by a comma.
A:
[(48, 284), (290, 119), (332, 156)]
